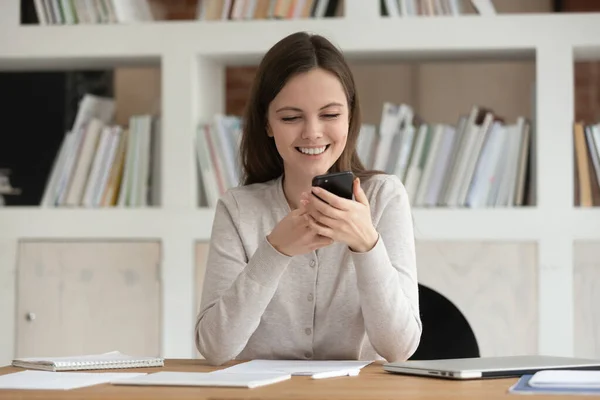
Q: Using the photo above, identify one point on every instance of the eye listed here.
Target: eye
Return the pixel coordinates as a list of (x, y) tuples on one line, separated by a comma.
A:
[(331, 116), (289, 119)]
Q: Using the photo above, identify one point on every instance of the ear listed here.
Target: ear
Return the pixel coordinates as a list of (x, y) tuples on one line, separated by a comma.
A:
[(268, 129)]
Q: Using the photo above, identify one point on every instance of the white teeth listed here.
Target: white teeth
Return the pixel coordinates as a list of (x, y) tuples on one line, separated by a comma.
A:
[(312, 150)]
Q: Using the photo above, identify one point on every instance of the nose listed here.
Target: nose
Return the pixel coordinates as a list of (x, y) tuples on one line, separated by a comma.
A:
[(313, 129)]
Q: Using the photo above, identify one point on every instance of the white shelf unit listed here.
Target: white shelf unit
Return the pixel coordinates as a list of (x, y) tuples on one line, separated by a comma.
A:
[(193, 55)]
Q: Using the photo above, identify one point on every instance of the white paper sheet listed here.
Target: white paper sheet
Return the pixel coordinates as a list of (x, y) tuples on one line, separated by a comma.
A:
[(316, 369), (169, 378), (44, 380)]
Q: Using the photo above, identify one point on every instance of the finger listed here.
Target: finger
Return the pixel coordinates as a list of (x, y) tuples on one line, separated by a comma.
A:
[(323, 219), (328, 199), (319, 207), (359, 193), (299, 212), (309, 221), (318, 228)]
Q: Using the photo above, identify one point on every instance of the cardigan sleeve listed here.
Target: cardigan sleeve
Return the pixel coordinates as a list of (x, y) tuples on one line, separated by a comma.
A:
[(236, 290), (387, 276)]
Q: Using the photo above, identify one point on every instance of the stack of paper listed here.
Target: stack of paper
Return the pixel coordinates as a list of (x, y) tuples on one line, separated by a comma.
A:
[(314, 369), (559, 382), (43, 380)]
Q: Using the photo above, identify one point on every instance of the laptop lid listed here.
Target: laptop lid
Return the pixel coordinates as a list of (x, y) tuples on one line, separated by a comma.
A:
[(489, 367)]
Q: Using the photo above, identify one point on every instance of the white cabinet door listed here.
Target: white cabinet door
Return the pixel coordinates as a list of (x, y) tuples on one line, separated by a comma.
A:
[(88, 297), (494, 285), (586, 288)]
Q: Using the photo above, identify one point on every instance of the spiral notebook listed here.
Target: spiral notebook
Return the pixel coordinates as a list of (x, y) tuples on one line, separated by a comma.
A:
[(110, 360)]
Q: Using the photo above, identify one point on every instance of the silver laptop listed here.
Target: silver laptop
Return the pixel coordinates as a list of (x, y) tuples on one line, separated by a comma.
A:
[(488, 367)]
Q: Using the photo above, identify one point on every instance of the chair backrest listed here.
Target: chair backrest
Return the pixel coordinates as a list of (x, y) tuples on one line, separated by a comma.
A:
[(446, 332)]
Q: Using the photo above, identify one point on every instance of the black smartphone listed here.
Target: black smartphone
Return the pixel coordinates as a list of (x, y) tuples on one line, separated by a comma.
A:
[(338, 183)]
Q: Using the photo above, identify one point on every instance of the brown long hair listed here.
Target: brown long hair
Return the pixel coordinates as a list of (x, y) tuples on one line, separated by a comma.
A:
[(297, 53)]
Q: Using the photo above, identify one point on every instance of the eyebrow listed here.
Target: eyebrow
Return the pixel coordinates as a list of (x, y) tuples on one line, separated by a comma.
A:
[(298, 109)]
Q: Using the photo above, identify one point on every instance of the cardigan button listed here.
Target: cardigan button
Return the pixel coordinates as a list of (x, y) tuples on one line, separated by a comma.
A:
[(312, 263), (308, 354)]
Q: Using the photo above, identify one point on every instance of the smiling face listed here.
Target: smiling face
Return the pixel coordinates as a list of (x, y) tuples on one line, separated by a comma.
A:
[(309, 122)]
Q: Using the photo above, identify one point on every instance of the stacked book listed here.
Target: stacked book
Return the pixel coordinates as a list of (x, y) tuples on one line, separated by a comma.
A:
[(70, 12), (217, 147), (101, 164), (587, 164), (211, 10), (411, 8), (479, 162)]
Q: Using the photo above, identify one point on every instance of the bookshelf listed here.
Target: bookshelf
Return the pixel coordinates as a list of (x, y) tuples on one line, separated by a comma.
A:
[(192, 56)]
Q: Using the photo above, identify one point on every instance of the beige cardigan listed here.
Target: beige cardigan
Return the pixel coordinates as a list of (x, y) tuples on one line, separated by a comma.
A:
[(330, 304)]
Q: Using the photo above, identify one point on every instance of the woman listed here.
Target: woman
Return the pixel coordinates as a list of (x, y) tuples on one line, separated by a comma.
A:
[(290, 276)]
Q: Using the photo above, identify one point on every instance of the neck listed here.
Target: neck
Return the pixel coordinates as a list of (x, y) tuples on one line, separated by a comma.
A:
[(293, 186)]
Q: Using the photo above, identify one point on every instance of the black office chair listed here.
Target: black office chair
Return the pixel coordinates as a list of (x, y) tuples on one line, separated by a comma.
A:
[(446, 332)]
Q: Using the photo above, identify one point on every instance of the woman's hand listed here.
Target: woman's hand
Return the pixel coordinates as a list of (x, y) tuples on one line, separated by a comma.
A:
[(292, 235), (340, 219)]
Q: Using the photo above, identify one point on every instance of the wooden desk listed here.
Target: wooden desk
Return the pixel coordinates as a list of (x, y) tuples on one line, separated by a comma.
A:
[(372, 383)]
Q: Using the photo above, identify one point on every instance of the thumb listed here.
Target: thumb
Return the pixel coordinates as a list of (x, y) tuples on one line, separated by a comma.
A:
[(359, 194)]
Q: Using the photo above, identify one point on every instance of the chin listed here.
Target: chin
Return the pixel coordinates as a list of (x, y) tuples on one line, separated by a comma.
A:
[(320, 170)]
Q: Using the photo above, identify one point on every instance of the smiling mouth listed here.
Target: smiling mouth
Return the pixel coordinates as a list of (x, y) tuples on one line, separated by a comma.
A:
[(312, 151)]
